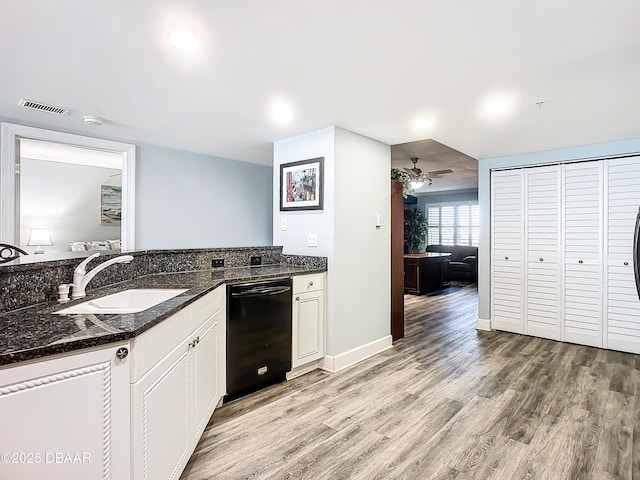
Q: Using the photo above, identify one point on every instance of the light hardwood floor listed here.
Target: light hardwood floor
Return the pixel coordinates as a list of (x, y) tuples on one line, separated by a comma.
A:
[(446, 402)]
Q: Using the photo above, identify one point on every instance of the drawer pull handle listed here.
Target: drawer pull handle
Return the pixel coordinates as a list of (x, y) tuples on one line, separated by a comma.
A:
[(626, 263), (311, 284), (506, 258), (580, 261), (297, 299), (541, 259), (121, 353)]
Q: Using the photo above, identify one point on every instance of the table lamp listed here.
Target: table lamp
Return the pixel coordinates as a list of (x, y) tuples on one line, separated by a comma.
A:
[(38, 238)]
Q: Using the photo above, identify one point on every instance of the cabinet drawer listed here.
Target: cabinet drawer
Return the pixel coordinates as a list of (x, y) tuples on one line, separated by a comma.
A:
[(153, 345), (207, 306), (308, 283)]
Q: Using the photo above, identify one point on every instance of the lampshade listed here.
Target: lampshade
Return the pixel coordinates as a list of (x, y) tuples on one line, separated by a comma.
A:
[(39, 237)]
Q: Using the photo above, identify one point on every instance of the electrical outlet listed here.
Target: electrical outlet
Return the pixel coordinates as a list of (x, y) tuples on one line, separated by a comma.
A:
[(256, 260), (217, 262), (312, 240), (283, 223)]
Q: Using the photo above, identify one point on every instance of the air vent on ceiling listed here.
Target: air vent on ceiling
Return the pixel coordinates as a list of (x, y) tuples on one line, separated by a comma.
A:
[(43, 107)]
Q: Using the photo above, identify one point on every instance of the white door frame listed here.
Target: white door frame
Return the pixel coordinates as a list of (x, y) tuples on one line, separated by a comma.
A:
[(11, 133)]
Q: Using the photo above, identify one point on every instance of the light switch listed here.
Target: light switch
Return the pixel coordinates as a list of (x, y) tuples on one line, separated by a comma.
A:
[(312, 240), (379, 220), (283, 223)]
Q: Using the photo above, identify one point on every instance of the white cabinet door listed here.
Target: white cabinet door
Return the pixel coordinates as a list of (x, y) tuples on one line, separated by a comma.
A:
[(308, 319), (542, 238), (66, 418), (308, 327), (507, 234), (208, 368), (174, 400), (583, 246), (622, 307), (161, 424)]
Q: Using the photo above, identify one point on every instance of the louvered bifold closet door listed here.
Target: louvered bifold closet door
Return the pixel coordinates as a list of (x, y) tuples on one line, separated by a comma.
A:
[(583, 185), (542, 237), (506, 250), (622, 307)]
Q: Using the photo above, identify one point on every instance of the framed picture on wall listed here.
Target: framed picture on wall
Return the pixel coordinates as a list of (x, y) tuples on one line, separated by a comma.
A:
[(110, 204), (301, 185)]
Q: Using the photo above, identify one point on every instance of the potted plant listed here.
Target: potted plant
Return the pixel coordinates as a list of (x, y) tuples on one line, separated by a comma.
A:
[(415, 229), (402, 177)]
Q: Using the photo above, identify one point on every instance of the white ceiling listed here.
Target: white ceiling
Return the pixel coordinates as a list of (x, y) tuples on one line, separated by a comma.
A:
[(370, 66)]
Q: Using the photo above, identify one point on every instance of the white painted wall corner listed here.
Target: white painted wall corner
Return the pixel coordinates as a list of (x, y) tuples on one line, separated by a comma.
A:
[(483, 324)]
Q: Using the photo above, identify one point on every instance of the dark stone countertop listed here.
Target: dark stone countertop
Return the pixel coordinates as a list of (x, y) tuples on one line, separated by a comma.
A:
[(35, 332)]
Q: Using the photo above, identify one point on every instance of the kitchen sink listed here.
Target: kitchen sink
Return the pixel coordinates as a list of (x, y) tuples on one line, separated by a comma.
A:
[(127, 301)]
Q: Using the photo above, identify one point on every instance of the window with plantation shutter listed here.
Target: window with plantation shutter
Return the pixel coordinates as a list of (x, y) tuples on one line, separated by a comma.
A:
[(433, 221), (455, 224)]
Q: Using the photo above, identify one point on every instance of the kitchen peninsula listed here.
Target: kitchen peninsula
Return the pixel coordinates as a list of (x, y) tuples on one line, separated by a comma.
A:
[(133, 381)]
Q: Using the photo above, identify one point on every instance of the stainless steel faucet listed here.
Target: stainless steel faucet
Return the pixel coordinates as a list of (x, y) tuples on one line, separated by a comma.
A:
[(81, 278)]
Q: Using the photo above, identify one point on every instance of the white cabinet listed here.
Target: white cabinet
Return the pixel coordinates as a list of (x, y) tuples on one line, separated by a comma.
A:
[(622, 307), (542, 241), (308, 319), (67, 417), (507, 245), (173, 400)]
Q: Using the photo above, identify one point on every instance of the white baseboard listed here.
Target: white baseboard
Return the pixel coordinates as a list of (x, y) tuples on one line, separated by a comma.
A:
[(309, 367), (483, 324), (341, 361)]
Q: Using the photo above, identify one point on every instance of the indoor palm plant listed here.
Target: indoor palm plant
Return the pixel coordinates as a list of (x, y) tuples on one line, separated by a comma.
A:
[(415, 229)]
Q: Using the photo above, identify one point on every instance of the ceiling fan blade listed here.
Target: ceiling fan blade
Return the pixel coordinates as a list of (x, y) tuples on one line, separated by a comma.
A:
[(437, 173), (409, 171)]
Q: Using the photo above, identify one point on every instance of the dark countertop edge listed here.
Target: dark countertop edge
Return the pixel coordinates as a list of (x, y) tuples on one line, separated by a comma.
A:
[(191, 296)]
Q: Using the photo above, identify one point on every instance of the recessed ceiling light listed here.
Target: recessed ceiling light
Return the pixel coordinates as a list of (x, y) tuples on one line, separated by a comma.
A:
[(281, 112), (184, 40), (423, 123), (497, 106)]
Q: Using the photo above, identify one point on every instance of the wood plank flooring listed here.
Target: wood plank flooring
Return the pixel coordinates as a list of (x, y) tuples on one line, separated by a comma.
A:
[(447, 402)]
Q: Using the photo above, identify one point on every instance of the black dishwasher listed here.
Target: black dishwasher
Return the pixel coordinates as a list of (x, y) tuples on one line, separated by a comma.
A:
[(258, 335)]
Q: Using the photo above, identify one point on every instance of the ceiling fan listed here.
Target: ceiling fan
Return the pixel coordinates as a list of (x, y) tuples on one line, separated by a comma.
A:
[(418, 178)]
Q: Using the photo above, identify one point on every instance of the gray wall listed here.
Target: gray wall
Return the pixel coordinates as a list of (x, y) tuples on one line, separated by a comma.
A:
[(189, 200)]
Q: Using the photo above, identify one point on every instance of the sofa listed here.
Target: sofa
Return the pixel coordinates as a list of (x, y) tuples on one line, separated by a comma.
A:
[(463, 263)]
